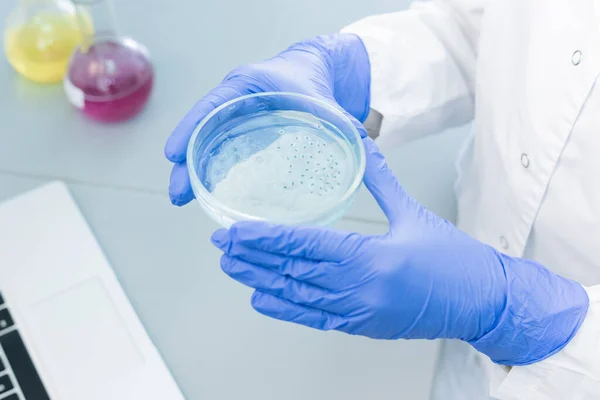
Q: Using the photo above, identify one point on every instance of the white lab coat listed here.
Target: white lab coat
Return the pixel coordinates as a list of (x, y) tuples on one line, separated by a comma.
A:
[(529, 184)]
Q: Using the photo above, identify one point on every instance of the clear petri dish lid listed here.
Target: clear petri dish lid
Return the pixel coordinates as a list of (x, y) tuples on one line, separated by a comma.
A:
[(278, 157)]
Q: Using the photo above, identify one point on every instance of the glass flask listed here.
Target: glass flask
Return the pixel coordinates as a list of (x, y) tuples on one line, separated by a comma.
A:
[(39, 38), (110, 77)]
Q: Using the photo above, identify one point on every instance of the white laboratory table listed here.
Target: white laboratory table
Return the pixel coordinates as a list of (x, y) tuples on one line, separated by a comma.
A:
[(214, 343)]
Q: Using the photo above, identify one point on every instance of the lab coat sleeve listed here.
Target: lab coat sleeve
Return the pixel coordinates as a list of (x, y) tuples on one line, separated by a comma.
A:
[(573, 373), (422, 66)]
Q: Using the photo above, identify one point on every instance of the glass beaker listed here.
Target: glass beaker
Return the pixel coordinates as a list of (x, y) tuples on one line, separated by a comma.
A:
[(39, 38), (110, 77)]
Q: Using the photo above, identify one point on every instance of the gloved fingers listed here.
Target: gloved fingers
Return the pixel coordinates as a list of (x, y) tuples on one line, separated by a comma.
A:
[(338, 121), (176, 147), (313, 243), (383, 185), (180, 188), (349, 70), (285, 310), (325, 274), (269, 281), (357, 124)]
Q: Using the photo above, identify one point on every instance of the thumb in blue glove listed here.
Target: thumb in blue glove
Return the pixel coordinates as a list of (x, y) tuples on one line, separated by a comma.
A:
[(423, 279)]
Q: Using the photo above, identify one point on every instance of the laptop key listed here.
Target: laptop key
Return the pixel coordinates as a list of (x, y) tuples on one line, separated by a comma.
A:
[(5, 384), (1, 365), (19, 360), (13, 396), (6, 320)]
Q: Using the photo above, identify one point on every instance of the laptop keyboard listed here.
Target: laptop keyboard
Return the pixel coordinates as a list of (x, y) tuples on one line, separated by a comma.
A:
[(19, 379)]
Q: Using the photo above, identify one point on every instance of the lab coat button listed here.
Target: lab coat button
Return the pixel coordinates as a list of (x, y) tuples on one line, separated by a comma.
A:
[(503, 242), (576, 58), (525, 160)]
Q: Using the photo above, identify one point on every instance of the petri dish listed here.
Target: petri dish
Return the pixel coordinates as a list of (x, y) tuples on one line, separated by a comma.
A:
[(277, 157)]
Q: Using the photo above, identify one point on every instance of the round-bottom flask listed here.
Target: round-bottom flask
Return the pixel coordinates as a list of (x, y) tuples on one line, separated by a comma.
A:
[(39, 38), (110, 78)]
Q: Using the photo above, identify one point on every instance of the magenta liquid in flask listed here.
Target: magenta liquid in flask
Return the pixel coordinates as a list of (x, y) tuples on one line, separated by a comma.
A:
[(110, 77)]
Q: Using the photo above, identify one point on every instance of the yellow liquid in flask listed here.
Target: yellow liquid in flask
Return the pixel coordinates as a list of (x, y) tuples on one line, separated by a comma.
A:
[(41, 48)]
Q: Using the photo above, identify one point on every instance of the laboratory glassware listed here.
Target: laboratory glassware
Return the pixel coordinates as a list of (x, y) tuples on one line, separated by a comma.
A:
[(110, 77), (39, 38), (277, 157)]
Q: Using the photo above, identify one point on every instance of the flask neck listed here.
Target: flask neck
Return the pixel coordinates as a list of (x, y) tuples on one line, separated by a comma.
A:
[(95, 18)]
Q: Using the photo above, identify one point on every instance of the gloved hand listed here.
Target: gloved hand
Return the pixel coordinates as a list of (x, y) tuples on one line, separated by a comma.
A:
[(423, 279), (332, 68)]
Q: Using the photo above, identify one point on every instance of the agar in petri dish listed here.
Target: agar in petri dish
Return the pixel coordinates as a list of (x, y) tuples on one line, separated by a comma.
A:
[(302, 171), (278, 157)]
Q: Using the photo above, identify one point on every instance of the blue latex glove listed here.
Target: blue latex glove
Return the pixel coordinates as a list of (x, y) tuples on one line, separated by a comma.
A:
[(332, 68), (423, 279)]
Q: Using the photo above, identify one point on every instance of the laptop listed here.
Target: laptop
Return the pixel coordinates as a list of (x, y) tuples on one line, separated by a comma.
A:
[(67, 330)]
